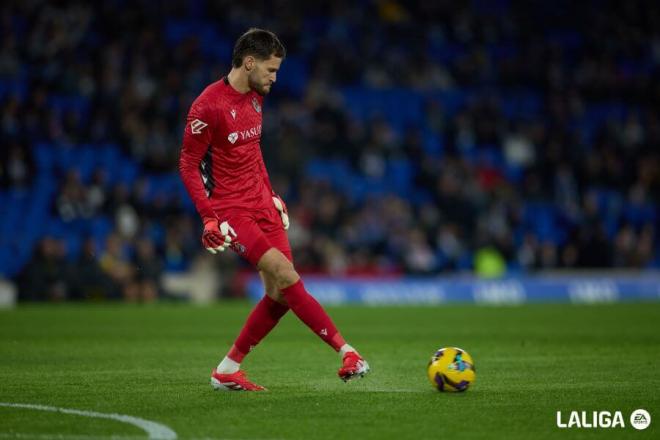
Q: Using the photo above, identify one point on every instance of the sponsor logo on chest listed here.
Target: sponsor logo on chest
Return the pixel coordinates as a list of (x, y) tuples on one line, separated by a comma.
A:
[(245, 135)]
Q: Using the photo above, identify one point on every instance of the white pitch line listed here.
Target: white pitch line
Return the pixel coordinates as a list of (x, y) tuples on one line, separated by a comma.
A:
[(18, 435), (155, 431)]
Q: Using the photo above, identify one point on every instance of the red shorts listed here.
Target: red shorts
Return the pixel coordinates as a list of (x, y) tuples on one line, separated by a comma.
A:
[(256, 232)]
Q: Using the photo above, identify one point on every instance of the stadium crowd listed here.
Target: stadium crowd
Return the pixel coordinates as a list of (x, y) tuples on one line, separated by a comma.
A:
[(406, 137)]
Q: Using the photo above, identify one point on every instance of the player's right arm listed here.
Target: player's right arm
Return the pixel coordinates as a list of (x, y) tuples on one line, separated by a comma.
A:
[(197, 141)]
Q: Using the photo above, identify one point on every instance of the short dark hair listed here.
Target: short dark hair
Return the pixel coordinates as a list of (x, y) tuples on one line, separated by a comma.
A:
[(259, 43)]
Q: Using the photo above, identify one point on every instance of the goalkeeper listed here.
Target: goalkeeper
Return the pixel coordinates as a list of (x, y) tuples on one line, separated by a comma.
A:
[(223, 170)]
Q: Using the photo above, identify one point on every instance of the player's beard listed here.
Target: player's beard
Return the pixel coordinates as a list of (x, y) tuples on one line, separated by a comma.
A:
[(257, 86)]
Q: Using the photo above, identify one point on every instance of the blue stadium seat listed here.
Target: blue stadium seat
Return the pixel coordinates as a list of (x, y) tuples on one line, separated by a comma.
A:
[(446, 53), (73, 103), (399, 177), (156, 232), (358, 189), (17, 203), (73, 244), (214, 46), (66, 157), (177, 30), (55, 228), (17, 86), (401, 108), (521, 104), (4, 205), (465, 262), (335, 171), (639, 215), (100, 226), (420, 196), (293, 75), (502, 51), (452, 100), (127, 171), (433, 144), (4, 260), (44, 187), (44, 156), (85, 162), (541, 219), (99, 229)]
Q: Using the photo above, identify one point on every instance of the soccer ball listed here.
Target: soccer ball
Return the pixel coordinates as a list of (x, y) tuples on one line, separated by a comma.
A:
[(451, 369)]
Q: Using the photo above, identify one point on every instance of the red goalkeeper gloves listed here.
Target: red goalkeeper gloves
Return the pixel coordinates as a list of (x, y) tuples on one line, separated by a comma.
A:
[(216, 238), (281, 207)]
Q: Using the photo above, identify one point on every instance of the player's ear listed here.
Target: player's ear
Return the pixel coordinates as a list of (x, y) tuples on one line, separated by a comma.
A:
[(248, 62)]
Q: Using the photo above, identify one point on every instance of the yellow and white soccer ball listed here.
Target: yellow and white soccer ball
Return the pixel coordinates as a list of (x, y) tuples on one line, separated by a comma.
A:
[(451, 369)]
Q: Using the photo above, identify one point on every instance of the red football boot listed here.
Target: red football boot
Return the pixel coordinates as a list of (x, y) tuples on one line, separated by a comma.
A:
[(233, 382), (353, 367)]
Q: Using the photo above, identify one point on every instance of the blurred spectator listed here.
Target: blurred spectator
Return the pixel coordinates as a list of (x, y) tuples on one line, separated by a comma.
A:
[(116, 263), (148, 272), (96, 192), (419, 258), (91, 282), (489, 263), (122, 209), (72, 202), (47, 277), (16, 167)]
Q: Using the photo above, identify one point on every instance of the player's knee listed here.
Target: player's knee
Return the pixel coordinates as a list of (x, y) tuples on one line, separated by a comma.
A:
[(277, 269), (284, 275)]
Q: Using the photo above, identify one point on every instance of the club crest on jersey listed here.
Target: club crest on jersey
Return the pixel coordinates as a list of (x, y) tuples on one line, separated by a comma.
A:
[(197, 126), (232, 137), (233, 113), (256, 105)]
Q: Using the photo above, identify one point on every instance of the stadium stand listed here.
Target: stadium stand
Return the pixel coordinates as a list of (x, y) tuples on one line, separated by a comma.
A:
[(406, 137)]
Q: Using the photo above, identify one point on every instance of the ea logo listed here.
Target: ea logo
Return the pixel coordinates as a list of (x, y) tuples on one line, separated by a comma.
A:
[(640, 419)]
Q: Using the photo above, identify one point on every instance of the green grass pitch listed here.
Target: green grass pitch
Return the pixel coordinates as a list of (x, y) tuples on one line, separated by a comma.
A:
[(154, 363)]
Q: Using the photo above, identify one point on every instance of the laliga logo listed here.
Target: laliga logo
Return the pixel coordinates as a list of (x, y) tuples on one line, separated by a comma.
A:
[(639, 419)]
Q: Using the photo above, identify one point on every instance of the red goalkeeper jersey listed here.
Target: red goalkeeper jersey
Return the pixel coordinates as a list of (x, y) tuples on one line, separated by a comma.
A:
[(221, 163)]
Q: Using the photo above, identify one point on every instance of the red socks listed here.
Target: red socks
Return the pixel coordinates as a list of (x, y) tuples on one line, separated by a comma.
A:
[(265, 315), (312, 314)]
